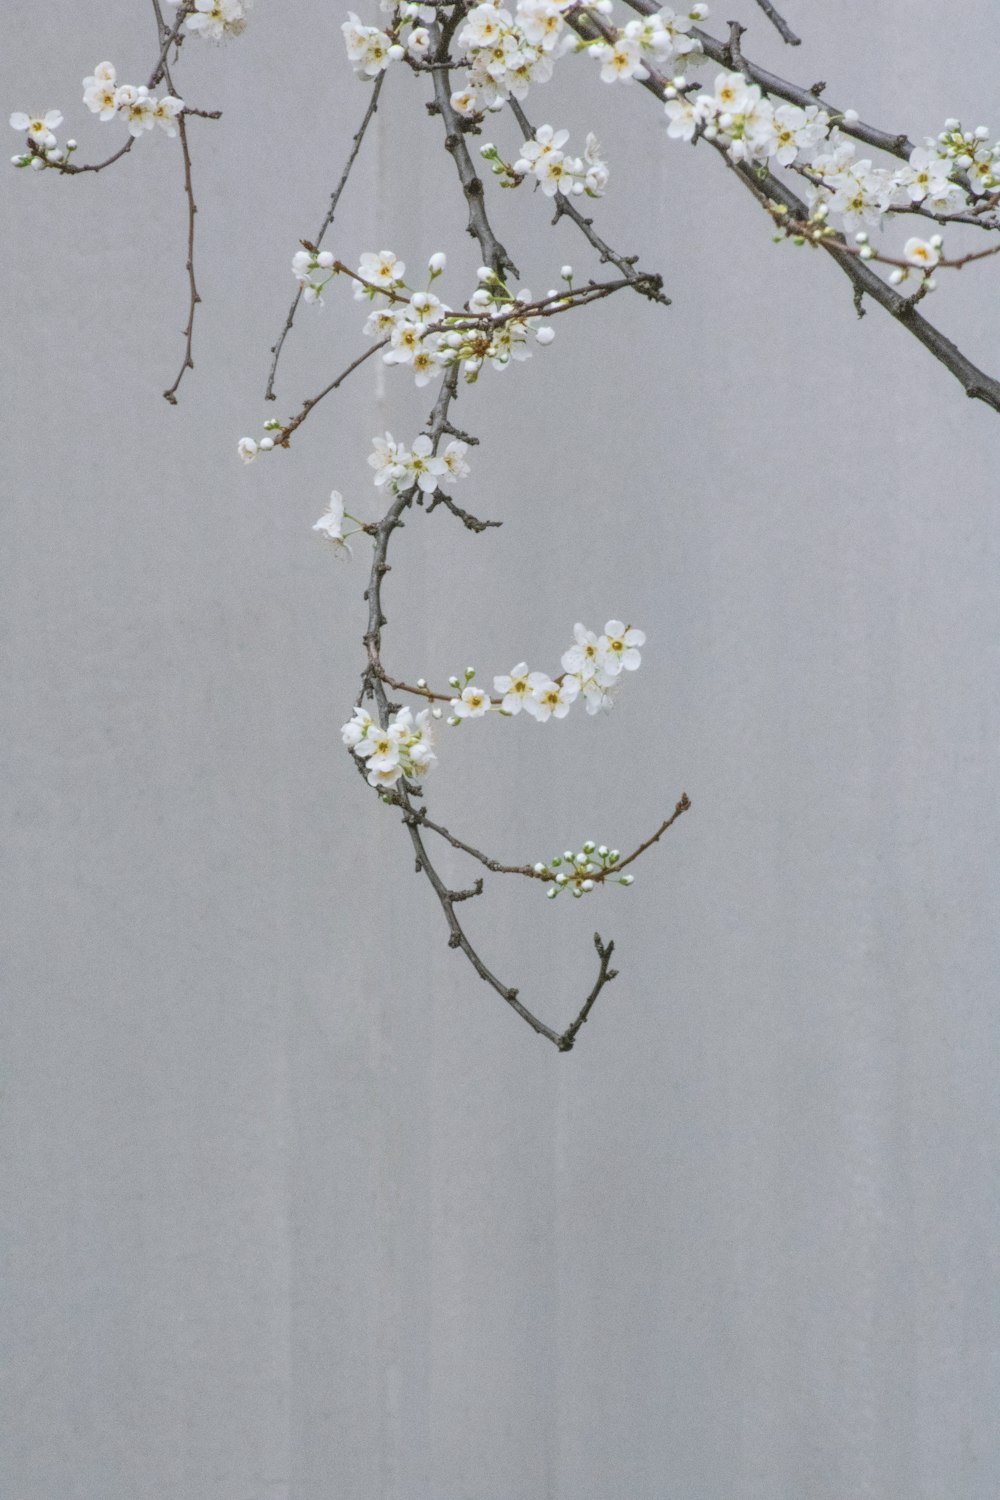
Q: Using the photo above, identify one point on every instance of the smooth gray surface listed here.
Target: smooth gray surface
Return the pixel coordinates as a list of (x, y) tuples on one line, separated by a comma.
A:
[(294, 1208)]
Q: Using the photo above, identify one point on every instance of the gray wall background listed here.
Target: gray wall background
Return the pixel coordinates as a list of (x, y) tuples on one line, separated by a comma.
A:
[(294, 1208)]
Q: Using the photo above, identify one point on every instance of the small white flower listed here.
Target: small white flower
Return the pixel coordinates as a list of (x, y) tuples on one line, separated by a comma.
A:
[(386, 458), (921, 253), (515, 687), (550, 699), (247, 449), (331, 526), (453, 459), (473, 704), (382, 270), (354, 731), (618, 647), (165, 112), (38, 128)]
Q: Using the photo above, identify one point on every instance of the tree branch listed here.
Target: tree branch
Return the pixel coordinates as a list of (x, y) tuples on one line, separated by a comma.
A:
[(358, 137), (779, 23)]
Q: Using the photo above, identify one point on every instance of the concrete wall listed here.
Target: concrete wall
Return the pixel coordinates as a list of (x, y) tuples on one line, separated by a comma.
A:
[(295, 1208)]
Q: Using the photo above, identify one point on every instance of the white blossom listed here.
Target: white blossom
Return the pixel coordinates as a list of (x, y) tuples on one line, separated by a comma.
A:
[(331, 526), (38, 128), (550, 699), (515, 688)]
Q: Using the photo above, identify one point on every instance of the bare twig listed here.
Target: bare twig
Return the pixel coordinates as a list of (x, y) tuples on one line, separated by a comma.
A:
[(358, 138), (468, 520), (187, 363), (779, 23), (605, 976), (282, 437)]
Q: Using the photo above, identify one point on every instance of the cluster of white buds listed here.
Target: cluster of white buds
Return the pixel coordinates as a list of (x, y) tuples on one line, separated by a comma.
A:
[(591, 669), (215, 19), (140, 109), (970, 152), (581, 873), (248, 447), (543, 158), (402, 748)]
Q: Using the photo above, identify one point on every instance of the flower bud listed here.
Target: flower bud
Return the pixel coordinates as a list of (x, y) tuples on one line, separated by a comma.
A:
[(545, 334), (437, 262), (539, 869), (396, 52), (266, 444), (551, 892), (325, 259), (588, 885), (625, 880), (566, 273)]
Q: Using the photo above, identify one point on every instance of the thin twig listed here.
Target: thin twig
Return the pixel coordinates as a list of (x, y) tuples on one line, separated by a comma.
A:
[(779, 23), (605, 976), (358, 138), (282, 437), (187, 363)]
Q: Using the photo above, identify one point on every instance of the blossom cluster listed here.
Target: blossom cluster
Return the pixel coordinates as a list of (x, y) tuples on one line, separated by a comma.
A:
[(944, 176), (555, 171), (591, 668), (583, 871), (661, 39), (214, 19), (402, 468), (402, 748), (423, 332), (106, 98)]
